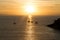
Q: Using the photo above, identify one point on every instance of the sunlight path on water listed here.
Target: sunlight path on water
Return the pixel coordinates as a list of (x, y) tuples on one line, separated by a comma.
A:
[(37, 32), (29, 29)]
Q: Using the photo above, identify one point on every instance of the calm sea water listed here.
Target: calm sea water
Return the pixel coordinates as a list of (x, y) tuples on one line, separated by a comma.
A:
[(24, 30)]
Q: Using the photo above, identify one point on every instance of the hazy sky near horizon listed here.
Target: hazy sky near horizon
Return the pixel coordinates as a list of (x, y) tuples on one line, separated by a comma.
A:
[(44, 7)]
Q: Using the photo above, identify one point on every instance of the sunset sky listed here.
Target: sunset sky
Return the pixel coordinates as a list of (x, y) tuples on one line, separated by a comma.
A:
[(42, 7)]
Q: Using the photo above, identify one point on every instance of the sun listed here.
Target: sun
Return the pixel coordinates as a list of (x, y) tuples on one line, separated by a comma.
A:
[(29, 9)]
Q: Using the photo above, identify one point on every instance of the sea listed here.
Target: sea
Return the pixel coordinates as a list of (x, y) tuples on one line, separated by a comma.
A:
[(28, 28)]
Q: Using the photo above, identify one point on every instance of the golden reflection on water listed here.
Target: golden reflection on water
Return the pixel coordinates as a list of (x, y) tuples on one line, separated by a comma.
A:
[(29, 29)]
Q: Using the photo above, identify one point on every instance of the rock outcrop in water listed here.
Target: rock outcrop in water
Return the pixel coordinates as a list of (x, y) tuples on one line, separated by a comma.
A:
[(55, 25)]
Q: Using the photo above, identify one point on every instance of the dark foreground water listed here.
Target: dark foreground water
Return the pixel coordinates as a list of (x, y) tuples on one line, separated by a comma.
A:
[(23, 30)]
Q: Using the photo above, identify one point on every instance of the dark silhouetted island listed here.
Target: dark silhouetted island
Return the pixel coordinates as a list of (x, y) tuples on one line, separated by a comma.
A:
[(55, 24)]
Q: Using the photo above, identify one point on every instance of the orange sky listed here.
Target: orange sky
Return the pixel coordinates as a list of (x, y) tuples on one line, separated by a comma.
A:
[(43, 7)]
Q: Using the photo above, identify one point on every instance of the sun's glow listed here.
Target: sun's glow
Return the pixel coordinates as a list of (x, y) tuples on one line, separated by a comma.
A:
[(29, 9)]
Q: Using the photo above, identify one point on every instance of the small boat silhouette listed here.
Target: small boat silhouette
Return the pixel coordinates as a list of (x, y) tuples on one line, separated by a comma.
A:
[(14, 23), (31, 21), (36, 22), (28, 21)]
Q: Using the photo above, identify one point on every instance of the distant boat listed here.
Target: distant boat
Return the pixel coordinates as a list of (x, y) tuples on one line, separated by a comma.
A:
[(36, 22), (55, 25), (28, 21), (31, 21), (14, 23)]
